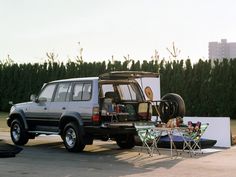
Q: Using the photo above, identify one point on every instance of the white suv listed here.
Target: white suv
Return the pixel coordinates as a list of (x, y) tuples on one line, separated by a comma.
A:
[(83, 109)]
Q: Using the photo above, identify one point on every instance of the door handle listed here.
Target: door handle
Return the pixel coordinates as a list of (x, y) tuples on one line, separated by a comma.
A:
[(63, 108), (45, 108)]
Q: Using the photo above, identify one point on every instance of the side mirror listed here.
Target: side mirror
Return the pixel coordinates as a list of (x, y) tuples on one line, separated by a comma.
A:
[(42, 99), (33, 98), (10, 103)]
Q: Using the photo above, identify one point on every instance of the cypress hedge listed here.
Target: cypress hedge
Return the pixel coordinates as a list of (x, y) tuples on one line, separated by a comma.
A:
[(209, 89)]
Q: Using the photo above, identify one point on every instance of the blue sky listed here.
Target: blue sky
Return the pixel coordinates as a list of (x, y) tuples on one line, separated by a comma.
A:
[(105, 28)]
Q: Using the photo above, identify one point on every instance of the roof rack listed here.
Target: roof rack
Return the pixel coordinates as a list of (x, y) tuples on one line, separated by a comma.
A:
[(127, 75)]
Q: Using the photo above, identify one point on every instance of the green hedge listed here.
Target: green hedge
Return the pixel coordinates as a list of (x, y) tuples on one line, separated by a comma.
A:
[(208, 89)]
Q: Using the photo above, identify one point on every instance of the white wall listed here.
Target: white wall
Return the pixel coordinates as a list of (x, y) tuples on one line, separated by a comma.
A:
[(218, 129)]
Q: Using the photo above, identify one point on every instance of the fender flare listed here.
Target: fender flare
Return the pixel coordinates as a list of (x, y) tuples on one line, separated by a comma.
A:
[(19, 114), (68, 117)]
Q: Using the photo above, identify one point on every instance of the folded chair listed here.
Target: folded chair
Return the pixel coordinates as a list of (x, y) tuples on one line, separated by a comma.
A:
[(149, 137), (193, 135)]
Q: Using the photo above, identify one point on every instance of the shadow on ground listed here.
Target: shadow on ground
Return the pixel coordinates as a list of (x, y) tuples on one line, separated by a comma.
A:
[(103, 158)]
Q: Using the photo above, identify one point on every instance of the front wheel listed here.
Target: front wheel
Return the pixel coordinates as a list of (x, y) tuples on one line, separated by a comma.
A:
[(125, 141), (18, 134), (72, 138)]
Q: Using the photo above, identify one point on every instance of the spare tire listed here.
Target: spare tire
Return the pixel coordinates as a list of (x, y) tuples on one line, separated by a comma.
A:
[(172, 105)]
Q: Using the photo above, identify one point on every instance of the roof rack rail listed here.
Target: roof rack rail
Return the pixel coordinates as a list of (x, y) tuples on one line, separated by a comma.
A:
[(127, 75)]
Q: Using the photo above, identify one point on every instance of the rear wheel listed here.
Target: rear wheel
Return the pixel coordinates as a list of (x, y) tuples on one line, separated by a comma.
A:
[(125, 141), (72, 138), (18, 134), (172, 106)]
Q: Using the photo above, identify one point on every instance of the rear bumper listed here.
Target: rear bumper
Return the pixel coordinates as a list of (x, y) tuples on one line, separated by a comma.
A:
[(113, 128)]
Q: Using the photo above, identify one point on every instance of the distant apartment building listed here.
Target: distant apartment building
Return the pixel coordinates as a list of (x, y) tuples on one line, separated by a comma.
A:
[(221, 50)]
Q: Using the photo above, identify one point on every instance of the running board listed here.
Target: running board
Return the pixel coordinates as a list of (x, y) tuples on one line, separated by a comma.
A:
[(44, 132)]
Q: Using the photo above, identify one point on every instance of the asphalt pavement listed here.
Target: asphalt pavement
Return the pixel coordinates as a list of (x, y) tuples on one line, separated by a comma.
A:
[(46, 156)]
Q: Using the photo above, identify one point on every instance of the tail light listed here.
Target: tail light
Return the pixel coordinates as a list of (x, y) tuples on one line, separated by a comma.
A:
[(96, 116)]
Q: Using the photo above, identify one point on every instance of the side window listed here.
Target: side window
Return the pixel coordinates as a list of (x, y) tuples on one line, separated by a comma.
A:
[(82, 92), (69, 93), (87, 90), (48, 92), (62, 92), (77, 94)]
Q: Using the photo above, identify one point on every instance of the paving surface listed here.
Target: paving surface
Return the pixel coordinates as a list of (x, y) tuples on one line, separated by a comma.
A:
[(46, 157)]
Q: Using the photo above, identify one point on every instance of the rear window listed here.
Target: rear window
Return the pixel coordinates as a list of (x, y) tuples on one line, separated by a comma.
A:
[(126, 91)]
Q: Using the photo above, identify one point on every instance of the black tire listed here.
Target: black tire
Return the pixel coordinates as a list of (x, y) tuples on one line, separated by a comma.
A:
[(172, 106), (125, 141), (18, 134), (73, 138)]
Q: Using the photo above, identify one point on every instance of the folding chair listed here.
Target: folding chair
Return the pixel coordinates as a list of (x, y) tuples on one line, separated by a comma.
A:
[(197, 139), (193, 136), (148, 137)]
